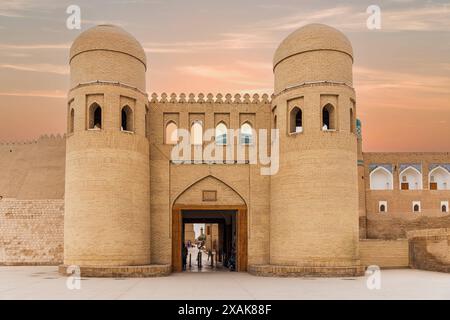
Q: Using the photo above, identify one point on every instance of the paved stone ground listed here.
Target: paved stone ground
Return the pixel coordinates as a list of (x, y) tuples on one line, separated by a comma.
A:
[(46, 283), (206, 264)]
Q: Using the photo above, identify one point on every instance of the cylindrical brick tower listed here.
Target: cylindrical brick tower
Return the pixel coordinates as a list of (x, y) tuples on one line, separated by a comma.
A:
[(107, 191), (361, 184), (314, 195)]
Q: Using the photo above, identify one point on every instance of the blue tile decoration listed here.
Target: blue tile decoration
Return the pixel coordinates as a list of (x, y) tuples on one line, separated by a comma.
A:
[(358, 128), (387, 166), (446, 166), (417, 166)]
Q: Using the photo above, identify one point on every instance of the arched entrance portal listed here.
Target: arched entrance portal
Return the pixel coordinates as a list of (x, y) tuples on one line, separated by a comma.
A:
[(211, 201)]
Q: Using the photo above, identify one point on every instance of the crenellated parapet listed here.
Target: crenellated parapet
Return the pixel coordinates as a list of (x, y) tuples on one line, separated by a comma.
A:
[(42, 138), (17, 143), (52, 137), (210, 98)]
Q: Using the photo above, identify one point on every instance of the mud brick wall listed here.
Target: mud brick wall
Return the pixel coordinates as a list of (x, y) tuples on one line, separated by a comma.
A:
[(384, 253), (430, 249), (31, 232), (396, 225)]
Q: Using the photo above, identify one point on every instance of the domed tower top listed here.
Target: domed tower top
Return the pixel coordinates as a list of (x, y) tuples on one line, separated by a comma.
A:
[(107, 53), (312, 37), (110, 38), (315, 52)]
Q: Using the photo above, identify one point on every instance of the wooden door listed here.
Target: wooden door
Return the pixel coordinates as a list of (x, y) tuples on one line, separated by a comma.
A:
[(433, 186), (177, 233), (405, 186), (242, 240)]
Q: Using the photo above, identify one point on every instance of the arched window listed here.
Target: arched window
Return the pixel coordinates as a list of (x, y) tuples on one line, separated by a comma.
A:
[(444, 208), (381, 179), (71, 121), (221, 133), (197, 132), (296, 120), (146, 121), (352, 121), (410, 179), (95, 116), (439, 179), (382, 208), (328, 117), (127, 119), (246, 134), (416, 208), (171, 134)]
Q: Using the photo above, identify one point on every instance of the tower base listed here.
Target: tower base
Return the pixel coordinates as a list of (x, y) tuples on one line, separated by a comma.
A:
[(270, 270), (152, 270)]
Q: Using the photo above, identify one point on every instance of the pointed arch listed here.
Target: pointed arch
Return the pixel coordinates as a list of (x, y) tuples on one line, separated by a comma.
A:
[(246, 133), (221, 133), (127, 123), (189, 203), (70, 129), (95, 116), (197, 132), (410, 179), (296, 120), (439, 179), (189, 187), (381, 179), (352, 121), (171, 133), (328, 117)]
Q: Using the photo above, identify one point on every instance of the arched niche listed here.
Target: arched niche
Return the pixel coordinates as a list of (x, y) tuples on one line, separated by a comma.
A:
[(439, 179), (381, 179), (410, 179)]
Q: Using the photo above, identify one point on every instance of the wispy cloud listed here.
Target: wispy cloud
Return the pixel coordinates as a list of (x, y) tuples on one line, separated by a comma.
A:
[(44, 67), (168, 48), (265, 34), (256, 65), (36, 46), (8, 14), (223, 73), (223, 41), (400, 90), (96, 22), (32, 93), (15, 8), (426, 17), (434, 17), (374, 79), (300, 19), (15, 54)]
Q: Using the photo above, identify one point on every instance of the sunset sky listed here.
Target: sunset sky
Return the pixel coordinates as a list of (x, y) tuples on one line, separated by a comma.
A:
[(401, 72)]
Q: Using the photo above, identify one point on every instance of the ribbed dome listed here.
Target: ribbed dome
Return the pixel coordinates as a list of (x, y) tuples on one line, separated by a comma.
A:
[(310, 38), (108, 37)]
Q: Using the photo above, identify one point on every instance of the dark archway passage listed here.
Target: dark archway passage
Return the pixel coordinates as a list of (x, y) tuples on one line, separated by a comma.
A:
[(230, 246), (215, 247)]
